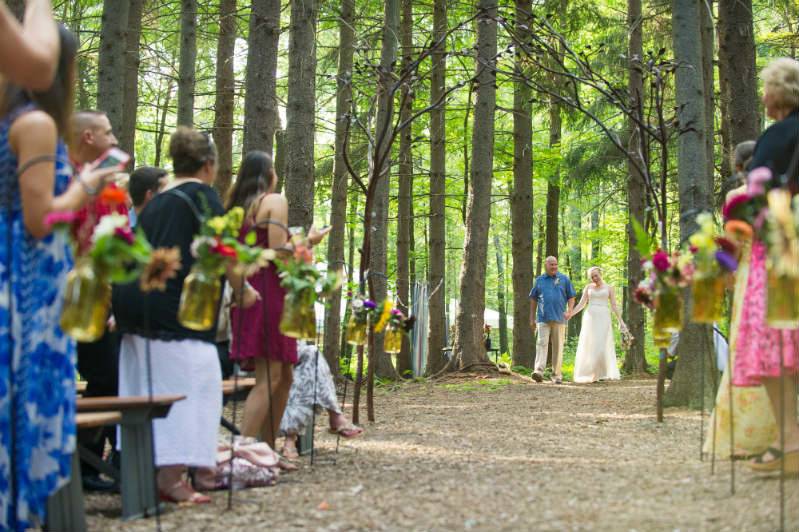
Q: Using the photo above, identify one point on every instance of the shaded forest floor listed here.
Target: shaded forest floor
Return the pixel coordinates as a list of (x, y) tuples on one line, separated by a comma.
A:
[(499, 454)]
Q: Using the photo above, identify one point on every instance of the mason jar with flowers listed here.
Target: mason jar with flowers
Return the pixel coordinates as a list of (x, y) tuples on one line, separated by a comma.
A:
[(115, 254), (215, 249), (397, 325), (360, 309), (714, 261), (782, 239), (305, 284)]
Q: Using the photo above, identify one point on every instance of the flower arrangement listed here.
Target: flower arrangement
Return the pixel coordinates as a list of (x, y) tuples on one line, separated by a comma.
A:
[(713, 254), (361, 307), (217, 246)]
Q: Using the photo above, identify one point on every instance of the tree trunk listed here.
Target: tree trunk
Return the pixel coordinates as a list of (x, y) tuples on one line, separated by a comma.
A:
[(635, 360), (521, 205), (382, 170), (405, 188), (127, 133), (111, 61), (188, 59), (694, 190), (553, 186), (225, 94), (502, 310), (338, 199), (575, 261), (437, 338), (301, 113), (260, 104), (469, 349), (161, 132), (738, 74), (706, 11), (539, 261)]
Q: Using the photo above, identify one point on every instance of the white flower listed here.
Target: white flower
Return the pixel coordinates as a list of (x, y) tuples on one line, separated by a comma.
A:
[(199, 241), (108, 224)]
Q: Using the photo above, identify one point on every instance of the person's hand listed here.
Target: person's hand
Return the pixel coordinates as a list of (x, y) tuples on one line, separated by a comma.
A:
[(533, 327), (316, 235), (567, 315), (95, 179), (248, 298)]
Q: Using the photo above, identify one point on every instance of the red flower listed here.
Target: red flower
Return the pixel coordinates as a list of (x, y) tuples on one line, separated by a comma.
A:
[(727, 245), (124, 233), (224, 250), (113, 195), (734, 203), (303, 253), (661, 261)]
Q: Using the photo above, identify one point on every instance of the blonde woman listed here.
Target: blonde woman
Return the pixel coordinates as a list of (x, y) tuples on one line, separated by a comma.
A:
[(596, 350)]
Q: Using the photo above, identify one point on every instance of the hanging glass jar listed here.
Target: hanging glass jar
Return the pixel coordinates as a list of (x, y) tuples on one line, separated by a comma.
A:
[(299, 318), (199, 300), (708, 299), (392, 340), (782, 301), (356, 331), (668, 311), (87, 297)]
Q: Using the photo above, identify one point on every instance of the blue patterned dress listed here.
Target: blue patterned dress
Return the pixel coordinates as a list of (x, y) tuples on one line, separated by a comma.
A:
[(37, 382)]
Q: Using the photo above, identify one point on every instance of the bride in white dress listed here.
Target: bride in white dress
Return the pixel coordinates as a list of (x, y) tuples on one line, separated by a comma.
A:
[(596, 351)]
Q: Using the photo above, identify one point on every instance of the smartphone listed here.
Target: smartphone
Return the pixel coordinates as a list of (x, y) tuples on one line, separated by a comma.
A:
[(112, 158)]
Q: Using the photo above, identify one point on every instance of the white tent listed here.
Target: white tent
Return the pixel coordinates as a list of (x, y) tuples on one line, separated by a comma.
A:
[(490, 316)]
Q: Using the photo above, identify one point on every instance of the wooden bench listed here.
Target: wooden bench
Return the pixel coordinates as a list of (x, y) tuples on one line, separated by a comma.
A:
[(65, 508), (80, 387), (235, 391), (139, 495)]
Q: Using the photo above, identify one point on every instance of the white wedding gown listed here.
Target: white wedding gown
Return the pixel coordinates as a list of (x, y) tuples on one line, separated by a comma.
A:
[(596, 350)]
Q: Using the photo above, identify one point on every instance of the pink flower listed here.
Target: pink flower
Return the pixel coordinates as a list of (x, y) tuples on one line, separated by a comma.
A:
[(661, 260), (757, 180), (125, 234), (734, 203), (60, 218)]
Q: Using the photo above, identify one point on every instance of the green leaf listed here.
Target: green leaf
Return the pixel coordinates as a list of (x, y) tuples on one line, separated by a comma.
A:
[(643, 242), (251, 238)]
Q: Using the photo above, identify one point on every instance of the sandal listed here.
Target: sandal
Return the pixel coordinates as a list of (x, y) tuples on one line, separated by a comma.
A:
[(289, 453), (348, 430), (790, 459), (182, 493)]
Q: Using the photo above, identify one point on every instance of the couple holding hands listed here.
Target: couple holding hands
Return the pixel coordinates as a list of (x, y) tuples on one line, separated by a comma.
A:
[(552, 305)]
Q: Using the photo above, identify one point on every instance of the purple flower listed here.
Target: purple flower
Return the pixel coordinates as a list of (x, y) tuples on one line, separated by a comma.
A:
[(368, 303), (661, 261), (726, 260), (125, 234)]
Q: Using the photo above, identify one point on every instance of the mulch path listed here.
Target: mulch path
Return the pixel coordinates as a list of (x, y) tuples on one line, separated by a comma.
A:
[(499, 453)]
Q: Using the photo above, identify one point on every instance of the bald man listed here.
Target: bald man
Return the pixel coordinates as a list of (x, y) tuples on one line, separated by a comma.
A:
[(551, 295), (92, 136)]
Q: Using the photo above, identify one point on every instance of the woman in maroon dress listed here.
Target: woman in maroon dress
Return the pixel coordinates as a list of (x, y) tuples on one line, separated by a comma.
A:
[(257, 343)]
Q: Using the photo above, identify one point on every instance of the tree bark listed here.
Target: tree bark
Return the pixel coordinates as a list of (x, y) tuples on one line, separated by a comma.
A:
[(553, 186), (301, 113), (521, 203), (502, 310), (379, 211), (127, 133), (260, 104), (437, 338), (338, 200), (469, 349), (405, 187), (225, 94), (738, 74), (635, 359), (161, 132), (694, 189), (111, 61), (188, 59), (706, 12)]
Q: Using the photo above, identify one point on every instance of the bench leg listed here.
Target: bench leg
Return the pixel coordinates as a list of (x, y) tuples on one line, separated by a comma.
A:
[(138, 469), (65, 509)]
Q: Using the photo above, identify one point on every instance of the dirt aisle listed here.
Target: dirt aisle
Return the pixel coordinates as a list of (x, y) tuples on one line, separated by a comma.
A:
[(501, 455)]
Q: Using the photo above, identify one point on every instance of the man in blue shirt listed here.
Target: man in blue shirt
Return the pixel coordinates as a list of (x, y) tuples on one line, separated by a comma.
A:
[(551, 295)]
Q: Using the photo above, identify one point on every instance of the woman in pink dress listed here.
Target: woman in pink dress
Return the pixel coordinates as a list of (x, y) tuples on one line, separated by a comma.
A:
[(257, 343), (765, 355)]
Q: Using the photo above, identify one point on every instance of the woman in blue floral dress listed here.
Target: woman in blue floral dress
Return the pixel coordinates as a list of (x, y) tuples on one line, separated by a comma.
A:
[(37, 360)]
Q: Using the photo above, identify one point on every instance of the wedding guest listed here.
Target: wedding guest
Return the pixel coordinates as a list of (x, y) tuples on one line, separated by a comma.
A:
[(741, 156), (37, 390), (29, 53), (764, 355), (181, 361), (313, 387), (257, 342), (555, 293), (144, 183), (98, 361)]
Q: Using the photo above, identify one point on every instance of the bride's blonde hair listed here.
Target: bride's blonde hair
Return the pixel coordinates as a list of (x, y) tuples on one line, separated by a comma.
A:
[(592, 269)]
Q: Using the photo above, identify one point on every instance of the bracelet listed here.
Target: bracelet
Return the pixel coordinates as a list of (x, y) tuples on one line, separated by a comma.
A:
[(91, 191)]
